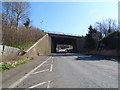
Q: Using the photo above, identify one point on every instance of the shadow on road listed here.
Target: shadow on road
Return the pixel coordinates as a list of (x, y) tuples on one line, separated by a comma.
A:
[(87, 57), (96, 58), (90, 58)]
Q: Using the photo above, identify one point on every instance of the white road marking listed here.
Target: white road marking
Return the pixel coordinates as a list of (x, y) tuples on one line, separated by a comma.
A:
[(37, 85), (28, 74), (48, 86), (40, 71), (51, 67)]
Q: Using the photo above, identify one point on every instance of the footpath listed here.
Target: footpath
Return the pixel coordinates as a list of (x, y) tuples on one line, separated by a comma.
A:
[(12, 75)]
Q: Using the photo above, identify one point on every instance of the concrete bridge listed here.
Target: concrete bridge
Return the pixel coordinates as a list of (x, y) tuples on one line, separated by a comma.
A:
[(64, 40), (49, 42)]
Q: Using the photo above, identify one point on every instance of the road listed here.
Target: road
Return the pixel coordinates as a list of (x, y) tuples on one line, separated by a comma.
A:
[(72, 71)]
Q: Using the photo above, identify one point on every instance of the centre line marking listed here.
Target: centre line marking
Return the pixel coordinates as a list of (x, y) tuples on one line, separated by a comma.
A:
[(37, 85), (40, 71), (48, 86), (51, 67), (28, 74)]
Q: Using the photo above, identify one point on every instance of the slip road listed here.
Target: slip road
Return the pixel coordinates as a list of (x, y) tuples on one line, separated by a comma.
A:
[(72, 71)]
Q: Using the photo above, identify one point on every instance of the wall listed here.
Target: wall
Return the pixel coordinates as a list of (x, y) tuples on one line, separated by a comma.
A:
[(41, 47), (80, 45), (8, 53)]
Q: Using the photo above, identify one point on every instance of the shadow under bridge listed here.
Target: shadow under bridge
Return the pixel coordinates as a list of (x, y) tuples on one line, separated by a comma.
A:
[(59, 39)]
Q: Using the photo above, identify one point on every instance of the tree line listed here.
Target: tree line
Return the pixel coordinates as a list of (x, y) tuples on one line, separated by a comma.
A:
[(104, 35)]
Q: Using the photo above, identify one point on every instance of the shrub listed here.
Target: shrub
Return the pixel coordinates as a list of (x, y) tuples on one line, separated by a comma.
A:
[(90, 44), (112, 41), (22, 37)]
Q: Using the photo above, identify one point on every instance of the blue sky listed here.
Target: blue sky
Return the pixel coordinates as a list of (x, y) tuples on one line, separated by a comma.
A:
[(71, 17)]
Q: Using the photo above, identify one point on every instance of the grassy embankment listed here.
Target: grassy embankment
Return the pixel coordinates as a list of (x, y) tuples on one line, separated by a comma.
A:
[(8, 65), (24, 46)]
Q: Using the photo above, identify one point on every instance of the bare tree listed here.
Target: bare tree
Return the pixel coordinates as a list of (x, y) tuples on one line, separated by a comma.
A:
[(15, 12), (101, 26), (5, 12), (105, 26), (21, 10)]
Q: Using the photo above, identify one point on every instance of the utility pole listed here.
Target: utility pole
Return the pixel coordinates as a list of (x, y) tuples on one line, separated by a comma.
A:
[(41, 24)]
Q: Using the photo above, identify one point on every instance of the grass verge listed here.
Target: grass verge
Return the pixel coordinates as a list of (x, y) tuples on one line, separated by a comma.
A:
[(24, 46), (8, 65)]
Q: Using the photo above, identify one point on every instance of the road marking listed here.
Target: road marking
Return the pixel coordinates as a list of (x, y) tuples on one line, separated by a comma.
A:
[(51, 67), (40, 71), (28, 74), (48, 86), (37, 85)]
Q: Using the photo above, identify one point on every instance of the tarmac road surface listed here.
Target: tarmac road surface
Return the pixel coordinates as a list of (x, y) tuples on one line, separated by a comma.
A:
[(72, 71)]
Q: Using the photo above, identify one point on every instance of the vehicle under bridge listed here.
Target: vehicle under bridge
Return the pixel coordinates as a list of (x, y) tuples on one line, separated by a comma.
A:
[(59, 39)]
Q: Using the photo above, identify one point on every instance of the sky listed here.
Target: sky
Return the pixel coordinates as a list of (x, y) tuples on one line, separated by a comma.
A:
[(70, 17)]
